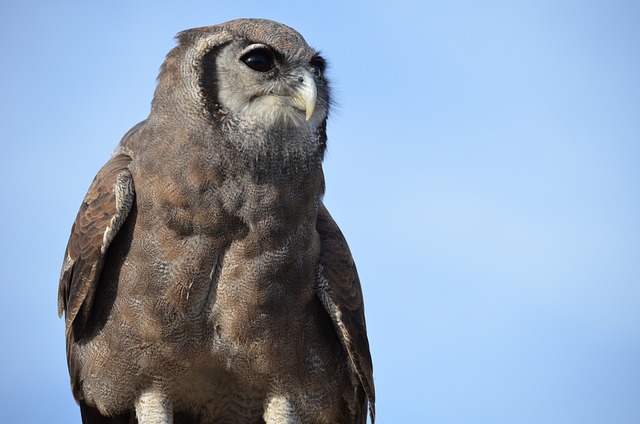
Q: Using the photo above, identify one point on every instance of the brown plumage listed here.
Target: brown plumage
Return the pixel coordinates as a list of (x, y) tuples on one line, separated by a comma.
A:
[(204, 280)]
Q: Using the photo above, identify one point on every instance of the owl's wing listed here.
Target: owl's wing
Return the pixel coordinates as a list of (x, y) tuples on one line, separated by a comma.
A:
[(104, 209), (340, 293)]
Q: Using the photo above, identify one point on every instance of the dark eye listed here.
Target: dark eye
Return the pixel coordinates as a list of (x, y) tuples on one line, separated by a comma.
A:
[(317, 66), (260, 60)]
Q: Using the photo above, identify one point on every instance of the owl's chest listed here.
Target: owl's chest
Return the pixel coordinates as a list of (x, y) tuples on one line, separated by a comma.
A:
[(265, 297), (205, 199), (254, 242)]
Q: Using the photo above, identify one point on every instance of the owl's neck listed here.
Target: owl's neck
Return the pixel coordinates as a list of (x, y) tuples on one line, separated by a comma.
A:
[(286, 151)]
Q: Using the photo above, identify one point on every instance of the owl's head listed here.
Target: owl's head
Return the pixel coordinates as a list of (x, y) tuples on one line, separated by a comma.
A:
[(249, 70)]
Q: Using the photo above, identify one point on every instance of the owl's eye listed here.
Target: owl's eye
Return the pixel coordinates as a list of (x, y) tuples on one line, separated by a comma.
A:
[(317, 66), (260, 59)]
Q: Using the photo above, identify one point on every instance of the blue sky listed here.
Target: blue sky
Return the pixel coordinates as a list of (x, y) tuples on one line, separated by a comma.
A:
[(483, 164)]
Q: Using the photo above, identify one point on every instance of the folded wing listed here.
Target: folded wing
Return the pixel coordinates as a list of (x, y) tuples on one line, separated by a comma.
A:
[(104, 209), (340, 292)]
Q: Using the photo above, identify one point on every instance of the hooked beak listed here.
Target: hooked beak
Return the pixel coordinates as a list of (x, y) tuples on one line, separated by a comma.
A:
[(305, 94)]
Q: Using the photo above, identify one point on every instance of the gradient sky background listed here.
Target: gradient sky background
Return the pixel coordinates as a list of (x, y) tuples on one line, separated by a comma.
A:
[(483, 163)]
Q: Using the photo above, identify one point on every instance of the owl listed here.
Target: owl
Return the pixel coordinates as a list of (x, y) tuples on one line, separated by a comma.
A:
[(204, 280)]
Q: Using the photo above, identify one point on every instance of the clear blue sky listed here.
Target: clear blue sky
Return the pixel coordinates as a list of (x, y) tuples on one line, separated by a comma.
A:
[(484, 164)]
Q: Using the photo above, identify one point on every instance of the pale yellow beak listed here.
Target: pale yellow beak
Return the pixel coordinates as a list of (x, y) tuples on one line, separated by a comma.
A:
[(305, 95)]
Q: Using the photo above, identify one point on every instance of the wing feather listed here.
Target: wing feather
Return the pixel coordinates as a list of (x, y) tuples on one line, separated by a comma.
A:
[(104, 209), (341, 294)]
